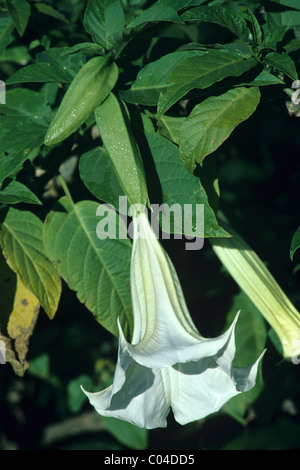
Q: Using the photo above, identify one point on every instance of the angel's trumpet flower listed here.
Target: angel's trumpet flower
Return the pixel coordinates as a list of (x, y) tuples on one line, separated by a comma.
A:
[(168, 364)]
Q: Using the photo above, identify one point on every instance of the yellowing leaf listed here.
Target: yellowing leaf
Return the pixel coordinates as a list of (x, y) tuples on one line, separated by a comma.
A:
[(25, 311), (21, 321)]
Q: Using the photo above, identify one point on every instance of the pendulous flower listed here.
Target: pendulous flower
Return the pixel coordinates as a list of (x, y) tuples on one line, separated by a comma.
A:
[(168, 364)]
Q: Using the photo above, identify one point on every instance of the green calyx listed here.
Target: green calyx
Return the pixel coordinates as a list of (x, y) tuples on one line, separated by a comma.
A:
[(88, 89)]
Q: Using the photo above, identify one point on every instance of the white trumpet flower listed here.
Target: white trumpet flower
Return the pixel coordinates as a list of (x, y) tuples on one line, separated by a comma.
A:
[(168, 364)]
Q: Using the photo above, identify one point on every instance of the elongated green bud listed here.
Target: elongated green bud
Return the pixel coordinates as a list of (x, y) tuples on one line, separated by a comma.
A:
[(113, 121), (250, 273), (88, 89)]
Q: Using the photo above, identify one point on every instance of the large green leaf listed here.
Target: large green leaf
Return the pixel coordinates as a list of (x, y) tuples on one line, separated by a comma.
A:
[(212, 121), (21, 237), (97, 270), (225, 17), (153, 78), (180, 188), (102, 19), (201, 72)]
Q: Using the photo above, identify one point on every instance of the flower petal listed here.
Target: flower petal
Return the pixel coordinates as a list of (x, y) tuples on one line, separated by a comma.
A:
[(138, 394), (201, 388)]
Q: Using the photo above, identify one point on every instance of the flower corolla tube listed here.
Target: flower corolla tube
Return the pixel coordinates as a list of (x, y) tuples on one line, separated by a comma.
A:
[(168, 364)]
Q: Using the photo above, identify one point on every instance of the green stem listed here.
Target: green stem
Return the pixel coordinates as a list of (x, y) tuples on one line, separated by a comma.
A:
[(66, 189)]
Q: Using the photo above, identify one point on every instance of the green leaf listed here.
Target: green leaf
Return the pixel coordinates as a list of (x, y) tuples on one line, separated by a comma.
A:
[(201, 72), (40, 72), (156, 13), (50, 11), (75, 397), (274, 35), (40, 367), (170, 127), (56, 56), (19, 55), (288, 3), (126, 433), (24, 105), (283, 63), (225, 17), (251, 336), (23, 124), (17, 145), (292, 46), (102, 19), (21, 237), (289, 18), (179, 187), (257, 32), (153, 78), (19, 11), (6, 28), (295, 243), (15, 192), (96, 172), (88, 48), (264, 78), (97, 270), (212, 121), (179, 4)]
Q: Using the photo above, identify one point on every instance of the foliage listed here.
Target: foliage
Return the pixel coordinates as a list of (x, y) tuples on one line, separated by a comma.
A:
[(201, 98)]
